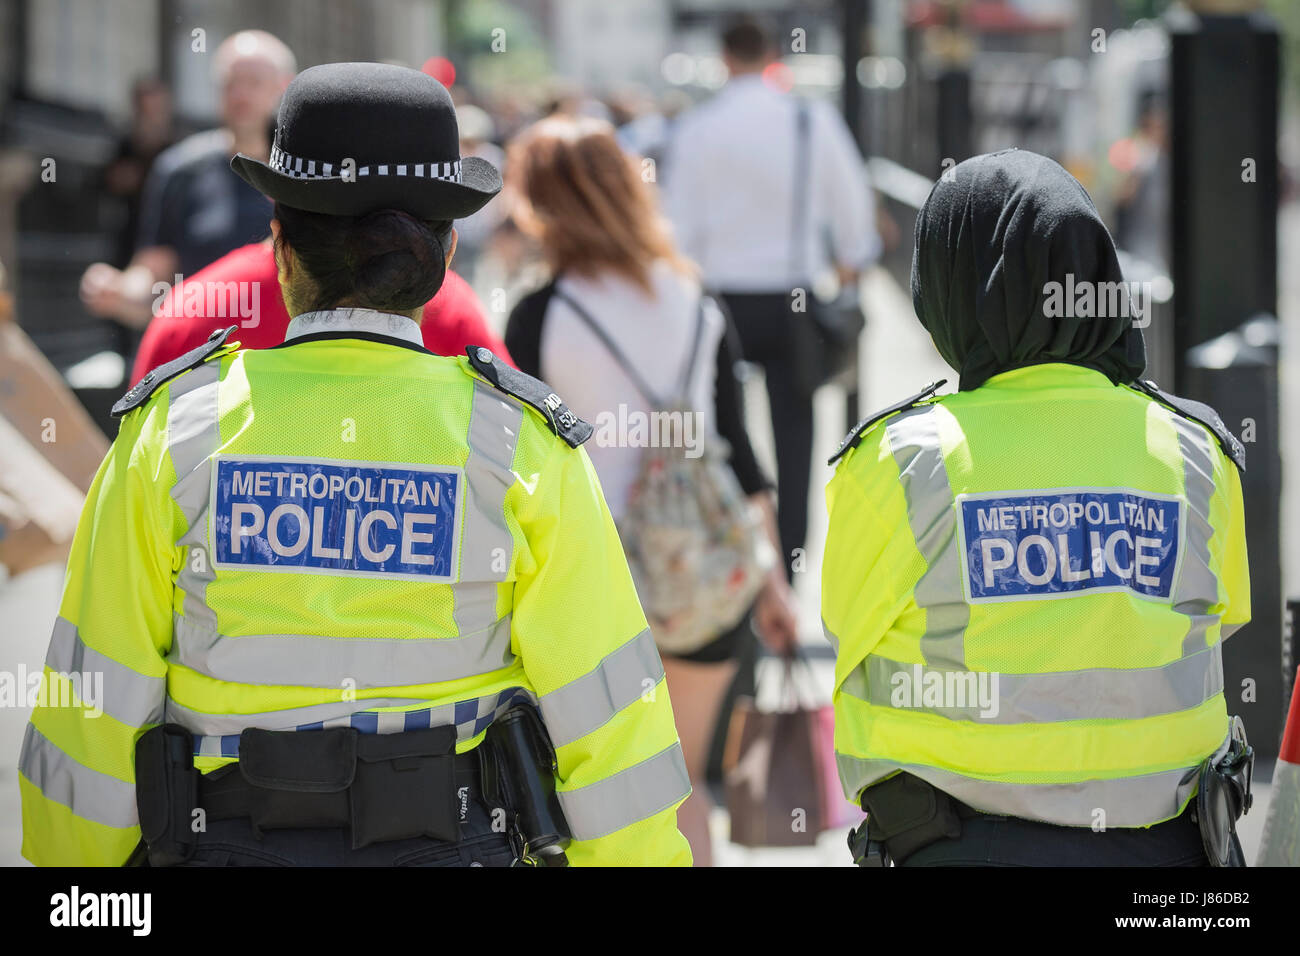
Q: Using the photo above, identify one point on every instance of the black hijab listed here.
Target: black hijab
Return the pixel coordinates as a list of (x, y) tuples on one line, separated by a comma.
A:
[(991, 235)]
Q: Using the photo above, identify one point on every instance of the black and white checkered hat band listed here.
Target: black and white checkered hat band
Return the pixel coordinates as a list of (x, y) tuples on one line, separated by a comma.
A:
[(300, 168)]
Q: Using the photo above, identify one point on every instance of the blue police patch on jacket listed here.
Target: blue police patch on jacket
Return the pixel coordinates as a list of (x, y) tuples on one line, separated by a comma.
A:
[(367, 519), (1036, 545)]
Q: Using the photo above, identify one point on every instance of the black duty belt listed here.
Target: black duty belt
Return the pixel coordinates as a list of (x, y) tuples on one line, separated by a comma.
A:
[(226, 794), (906, 813), (379, 786)]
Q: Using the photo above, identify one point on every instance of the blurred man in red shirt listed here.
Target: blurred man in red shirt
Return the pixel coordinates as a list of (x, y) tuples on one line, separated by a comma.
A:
[(242, 288)]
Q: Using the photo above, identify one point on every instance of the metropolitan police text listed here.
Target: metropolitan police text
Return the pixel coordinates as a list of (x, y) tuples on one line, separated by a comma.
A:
[(1062, 514), (331, 531)]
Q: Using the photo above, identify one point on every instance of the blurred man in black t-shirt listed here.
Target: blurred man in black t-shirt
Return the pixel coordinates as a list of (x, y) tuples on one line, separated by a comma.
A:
[(195, 209)]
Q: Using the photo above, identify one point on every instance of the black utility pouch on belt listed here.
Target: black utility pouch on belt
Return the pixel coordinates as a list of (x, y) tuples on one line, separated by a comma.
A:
[(296, 779), (405, 786), (904, 814), (165, 792), (381, 786)]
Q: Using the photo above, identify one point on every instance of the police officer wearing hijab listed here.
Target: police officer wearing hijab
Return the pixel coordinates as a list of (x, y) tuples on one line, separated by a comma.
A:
[(1028, 581)]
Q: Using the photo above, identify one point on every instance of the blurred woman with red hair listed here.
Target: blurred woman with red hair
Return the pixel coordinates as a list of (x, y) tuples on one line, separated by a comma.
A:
[(618, 280)]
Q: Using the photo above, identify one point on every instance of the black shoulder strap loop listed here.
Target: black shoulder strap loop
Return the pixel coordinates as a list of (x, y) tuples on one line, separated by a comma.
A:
[(617, 354), (683, 386), (506, 378), (140, 392), (852, 439), (623, 362), (1198, 412)]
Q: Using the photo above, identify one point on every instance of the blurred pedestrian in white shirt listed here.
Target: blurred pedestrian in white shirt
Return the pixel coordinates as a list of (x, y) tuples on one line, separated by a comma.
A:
[(614, 267), (732, 179)]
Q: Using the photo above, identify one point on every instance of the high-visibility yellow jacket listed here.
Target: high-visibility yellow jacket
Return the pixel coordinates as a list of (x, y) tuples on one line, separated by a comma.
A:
[(350, 531), (1028, 584)]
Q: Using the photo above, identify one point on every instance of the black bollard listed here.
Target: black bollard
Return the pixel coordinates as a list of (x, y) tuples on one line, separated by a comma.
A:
[(1236, 373), (1224, 79)]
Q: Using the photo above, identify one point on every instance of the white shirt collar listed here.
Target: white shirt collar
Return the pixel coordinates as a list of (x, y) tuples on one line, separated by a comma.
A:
[(748, 83), (390, 324)]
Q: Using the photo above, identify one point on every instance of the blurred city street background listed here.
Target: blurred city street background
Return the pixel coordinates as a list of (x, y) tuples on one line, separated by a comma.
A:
[(920, 84)]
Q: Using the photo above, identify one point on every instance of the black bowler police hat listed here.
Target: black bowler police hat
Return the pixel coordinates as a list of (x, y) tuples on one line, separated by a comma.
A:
[(352, 138)]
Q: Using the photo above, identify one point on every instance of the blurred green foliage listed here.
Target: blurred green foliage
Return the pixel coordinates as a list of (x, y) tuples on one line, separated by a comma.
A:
[(481, 32)]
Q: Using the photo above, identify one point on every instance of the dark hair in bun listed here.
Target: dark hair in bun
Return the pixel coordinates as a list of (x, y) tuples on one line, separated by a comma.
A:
[(386, 260)]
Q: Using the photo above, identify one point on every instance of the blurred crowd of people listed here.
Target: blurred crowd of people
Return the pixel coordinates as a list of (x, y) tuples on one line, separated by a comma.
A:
[(659, 230), (687, 236), (644, 246)]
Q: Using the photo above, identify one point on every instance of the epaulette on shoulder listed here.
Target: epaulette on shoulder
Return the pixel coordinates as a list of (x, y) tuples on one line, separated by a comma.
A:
[(852, 439), (532, 392), (1198, 412), (141, 390)]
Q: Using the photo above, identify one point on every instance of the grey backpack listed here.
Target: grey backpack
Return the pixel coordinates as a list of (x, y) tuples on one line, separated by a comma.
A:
[(695, 545)]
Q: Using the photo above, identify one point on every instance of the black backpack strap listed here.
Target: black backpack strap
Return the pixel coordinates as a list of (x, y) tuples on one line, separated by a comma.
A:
[(698, 335), (852, 439), (531, 391), (623, 362), (141, 390), (1198, 412)]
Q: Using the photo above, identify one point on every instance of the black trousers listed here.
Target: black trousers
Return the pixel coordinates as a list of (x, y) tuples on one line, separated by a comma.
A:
[(779, 340), (988, 840)]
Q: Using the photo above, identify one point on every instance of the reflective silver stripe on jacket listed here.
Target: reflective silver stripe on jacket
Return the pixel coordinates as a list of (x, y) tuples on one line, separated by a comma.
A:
[(193, 437), (591, 701), (1197, 589), (1091, 694), (310, 660), (1132, 801), (630, 795), (88, 793), (486, 543), (913, 438), (831, 637), (133, 698)]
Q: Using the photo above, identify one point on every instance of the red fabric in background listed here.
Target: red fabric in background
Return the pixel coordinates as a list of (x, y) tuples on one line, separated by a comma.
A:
[(453, 318)]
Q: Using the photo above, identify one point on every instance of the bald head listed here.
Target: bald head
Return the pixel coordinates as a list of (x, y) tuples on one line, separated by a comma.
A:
[(255, 45), (252, 69)]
